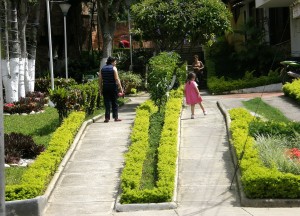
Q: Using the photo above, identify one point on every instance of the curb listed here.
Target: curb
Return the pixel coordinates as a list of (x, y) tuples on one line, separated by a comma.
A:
[(246, 202)]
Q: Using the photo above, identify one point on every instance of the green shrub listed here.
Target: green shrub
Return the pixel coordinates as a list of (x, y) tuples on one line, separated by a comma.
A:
[(161, 70), (36, 178), (224, 58), (292, 90), (19, 146), (222, 85), (77, 97), (130, 80), (273, 151), (288, 129), (167, 155), (44, 84), (258, 181)]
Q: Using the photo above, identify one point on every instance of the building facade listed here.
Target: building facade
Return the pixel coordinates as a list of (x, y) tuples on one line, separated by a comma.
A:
[(293, 7)]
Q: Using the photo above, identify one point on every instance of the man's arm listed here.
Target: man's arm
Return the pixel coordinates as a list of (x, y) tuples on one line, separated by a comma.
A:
[(201, 65), (118, 79), (100, 82)]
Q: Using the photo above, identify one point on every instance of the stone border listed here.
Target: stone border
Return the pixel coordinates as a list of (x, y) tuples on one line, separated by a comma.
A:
[(155, 206), (37, 205), (266, 88), (246, 202)]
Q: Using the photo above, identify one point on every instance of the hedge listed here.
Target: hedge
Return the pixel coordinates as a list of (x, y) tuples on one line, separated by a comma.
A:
[(38, 175), (257, 180), (292, 90), (167, 154)]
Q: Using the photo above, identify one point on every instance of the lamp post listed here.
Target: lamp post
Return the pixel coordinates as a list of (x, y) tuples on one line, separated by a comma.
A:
[(64, 6), (2, 173), (50, 43), (128, 2)]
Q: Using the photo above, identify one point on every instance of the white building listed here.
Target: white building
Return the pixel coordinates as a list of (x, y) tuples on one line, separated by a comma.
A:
[(294, 19)]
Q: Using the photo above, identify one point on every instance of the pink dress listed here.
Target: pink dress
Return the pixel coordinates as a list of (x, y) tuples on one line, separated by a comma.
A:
[(191, 94)]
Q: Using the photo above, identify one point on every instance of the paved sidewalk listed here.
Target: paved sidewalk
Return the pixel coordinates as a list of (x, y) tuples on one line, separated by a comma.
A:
[(89, 184), (90, 181)]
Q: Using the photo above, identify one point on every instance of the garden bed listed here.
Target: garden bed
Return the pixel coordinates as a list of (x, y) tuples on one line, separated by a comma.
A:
[(161, 194), (255, 182)]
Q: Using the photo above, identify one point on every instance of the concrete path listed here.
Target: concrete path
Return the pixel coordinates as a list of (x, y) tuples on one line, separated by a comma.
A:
[(89, 184), (205, 165), (90, 181)]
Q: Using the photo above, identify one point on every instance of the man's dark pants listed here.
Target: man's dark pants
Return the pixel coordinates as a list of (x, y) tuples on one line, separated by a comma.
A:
[(110, 95)]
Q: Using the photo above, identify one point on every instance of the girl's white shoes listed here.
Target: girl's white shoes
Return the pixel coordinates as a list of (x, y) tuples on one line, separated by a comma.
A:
[(193, 116)]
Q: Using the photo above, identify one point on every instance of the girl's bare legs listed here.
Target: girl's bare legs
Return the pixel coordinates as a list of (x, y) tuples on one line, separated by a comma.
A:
[(202, 107), (193, 110)]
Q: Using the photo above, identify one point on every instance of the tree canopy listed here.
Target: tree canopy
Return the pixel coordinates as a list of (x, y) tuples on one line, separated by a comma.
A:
[(171, 22)]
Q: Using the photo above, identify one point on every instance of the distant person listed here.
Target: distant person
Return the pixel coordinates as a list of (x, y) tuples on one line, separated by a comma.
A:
[(192, 94), (198, 67), (109, 83)]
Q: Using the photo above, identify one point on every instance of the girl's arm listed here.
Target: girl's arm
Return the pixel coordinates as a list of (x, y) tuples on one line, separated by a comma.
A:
[(196, 89)]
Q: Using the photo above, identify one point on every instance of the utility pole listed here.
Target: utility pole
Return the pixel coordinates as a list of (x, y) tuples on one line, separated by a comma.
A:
[(2, 168)]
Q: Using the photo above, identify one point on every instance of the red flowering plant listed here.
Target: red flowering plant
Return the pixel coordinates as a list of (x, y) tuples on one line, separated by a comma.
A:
[(8, 107), (293, 154), (34, 101)]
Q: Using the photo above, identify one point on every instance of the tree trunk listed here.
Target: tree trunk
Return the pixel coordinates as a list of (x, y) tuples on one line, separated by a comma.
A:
[(23, 68), (108, 30), (14, 50), (107, 12), (5, 57), (32, 45), (11, 77)]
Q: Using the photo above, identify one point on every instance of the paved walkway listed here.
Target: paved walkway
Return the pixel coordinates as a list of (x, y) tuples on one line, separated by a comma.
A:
[(90, 182)]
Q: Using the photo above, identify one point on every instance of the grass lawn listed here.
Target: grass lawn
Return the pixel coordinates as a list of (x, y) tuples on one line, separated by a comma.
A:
[(258, 106), (39, 126), (149, 176)]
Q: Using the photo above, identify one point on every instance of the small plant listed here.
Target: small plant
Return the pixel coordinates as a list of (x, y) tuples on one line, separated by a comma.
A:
[(19, 146), (133, 91), (130, 80), (294, 154), (34, 101), (274, 153)]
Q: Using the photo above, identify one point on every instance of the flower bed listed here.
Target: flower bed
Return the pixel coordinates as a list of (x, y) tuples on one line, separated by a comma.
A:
[(259, 181), (33, 102)]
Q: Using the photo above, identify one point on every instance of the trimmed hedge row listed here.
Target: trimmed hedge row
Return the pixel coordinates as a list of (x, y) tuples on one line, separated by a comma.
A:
[(258, 181), (222, 85), (292, 90), (167, 155), (36, 178)]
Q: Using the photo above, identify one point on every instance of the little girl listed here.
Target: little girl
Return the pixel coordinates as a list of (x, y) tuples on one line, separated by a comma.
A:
[(192, 94)]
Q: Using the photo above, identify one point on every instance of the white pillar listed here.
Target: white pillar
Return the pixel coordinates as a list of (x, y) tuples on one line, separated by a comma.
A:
[(295, 36), (2, 173), (50, 44)]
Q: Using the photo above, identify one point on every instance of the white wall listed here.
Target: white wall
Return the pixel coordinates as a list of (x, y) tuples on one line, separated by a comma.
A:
[(295, 36)]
